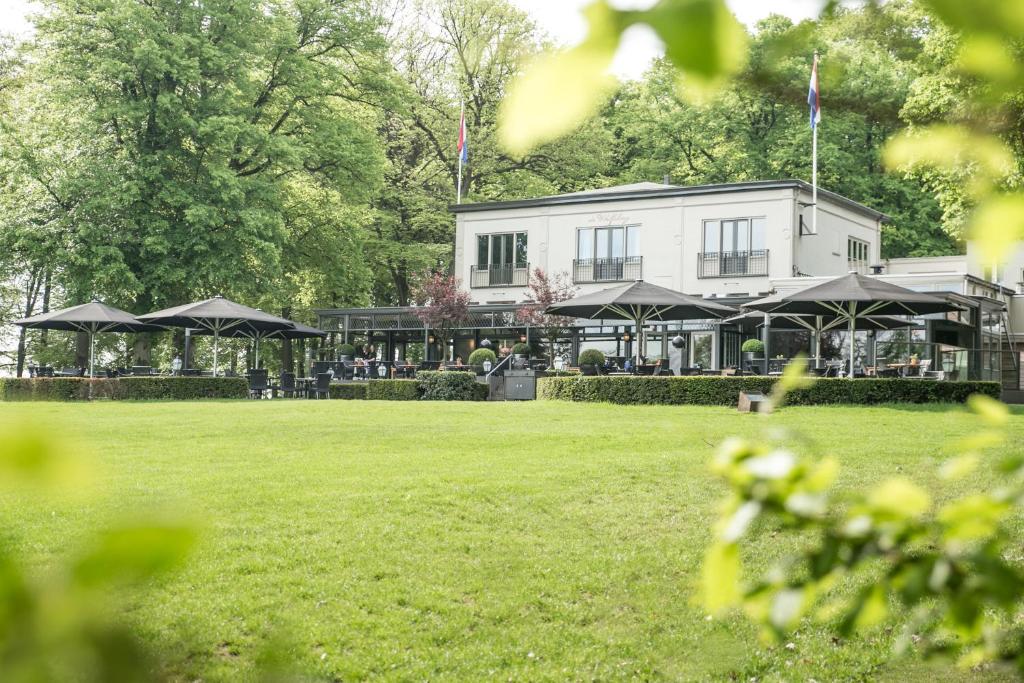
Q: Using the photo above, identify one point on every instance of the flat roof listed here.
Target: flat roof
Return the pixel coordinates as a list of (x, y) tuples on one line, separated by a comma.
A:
[(655, 191)]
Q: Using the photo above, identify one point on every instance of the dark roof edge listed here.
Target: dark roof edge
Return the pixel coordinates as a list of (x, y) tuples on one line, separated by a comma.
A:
[(670, 191)]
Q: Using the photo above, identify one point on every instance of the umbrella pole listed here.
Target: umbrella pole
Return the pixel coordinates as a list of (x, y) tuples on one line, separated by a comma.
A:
[(257, 352), (216, 348), (853, 328), (636, 366), (817, 341), (92, 354)]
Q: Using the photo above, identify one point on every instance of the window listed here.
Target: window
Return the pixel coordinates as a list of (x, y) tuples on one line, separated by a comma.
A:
[(501, 259), (857, 254), (734, 235), (607, 254)]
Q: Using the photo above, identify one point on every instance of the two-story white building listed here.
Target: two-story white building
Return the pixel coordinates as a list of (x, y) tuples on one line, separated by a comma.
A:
[(733, 242)]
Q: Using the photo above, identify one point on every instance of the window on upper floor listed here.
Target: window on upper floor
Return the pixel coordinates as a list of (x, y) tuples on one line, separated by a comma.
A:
[(501, 259), (858, 254), (607, 254), (733, 247)]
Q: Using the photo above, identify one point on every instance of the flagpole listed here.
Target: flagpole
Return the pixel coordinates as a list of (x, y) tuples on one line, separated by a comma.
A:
[(462, 120), (814, 158)]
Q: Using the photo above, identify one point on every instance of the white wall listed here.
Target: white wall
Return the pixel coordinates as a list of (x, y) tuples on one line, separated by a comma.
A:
[(671, 233)]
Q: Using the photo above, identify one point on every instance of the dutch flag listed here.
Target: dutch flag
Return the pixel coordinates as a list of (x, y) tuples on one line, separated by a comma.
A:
[(463, 147), (813, 95)]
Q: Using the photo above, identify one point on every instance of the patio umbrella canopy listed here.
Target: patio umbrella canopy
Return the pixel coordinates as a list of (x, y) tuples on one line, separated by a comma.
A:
[(851, 297), (219, 316), (640, 302), (92, 318), (823, 323), (299, 331)]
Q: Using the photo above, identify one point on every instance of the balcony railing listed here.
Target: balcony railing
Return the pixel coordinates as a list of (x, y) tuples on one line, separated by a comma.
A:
[(500, 275), (732, 263), (607, 269)]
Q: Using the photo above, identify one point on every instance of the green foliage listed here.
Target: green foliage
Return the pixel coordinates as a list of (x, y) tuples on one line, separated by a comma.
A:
[(347, 350), (351, 390), (946, 563), (520, 349), (724, 391), (591, 357), (477, 358), (449, 385), (393, 390), (755, 346), (122, 388)]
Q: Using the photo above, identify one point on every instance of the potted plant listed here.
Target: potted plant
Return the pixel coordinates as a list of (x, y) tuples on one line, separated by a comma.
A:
[(591, 361), (479, 357), (346, 351), (752, 348)]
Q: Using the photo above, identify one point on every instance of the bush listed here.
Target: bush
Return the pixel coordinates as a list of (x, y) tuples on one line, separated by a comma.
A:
[(724, 391), (477, 358), (450, 385), (393, 390), (347, 350), (122, 388), (591, 357), (755, 346), (355, 390), (521, 349)]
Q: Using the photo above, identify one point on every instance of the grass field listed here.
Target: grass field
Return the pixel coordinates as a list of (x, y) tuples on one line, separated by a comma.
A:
[(416, 541)]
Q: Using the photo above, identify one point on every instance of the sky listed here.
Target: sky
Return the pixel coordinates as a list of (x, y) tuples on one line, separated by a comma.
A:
[(558, 18)]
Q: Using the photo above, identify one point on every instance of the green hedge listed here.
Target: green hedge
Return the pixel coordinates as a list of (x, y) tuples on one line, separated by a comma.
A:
[(122, 388), (393, 390), (347, 391), (724, 391), (449, 385)]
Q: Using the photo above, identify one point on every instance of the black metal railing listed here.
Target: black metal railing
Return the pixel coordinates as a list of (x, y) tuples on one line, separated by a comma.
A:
[(607, 269), (500, 275), (732, 263)]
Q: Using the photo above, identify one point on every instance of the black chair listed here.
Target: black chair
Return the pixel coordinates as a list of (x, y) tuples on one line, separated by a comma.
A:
[(322, 386), (144, 370), (287, 386), (258, 384), (45, 371)]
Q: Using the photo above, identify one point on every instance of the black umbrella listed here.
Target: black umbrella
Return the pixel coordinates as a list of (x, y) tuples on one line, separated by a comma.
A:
[(851, 297), (822, 323), (640, 301), (219, 316), (299, 331), (91, 318)]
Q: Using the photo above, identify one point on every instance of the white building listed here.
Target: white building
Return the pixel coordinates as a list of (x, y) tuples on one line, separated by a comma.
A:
[(733, 242)]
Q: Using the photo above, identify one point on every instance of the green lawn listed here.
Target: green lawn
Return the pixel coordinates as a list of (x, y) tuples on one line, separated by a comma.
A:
[(414, 541)]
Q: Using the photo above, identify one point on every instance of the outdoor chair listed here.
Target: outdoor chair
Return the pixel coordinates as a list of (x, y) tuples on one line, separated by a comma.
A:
[(322, 386), (142, 370), (45, 371), (287, 386), (258, 384), (348, 370)]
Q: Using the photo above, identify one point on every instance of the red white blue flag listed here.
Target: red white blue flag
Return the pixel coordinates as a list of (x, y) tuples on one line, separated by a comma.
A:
[(463, 139), (814, 95)]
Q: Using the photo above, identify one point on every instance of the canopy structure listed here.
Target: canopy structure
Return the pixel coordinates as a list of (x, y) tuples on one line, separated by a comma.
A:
[(640, 302), (823, 323), (220, 317), (852, 297), (92, 318), (299, 331)]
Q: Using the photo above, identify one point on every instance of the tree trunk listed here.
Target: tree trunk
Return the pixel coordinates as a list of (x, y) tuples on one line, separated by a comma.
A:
[(82, 350), (142, 349), (287, 359), (31, 294), (301, 344)]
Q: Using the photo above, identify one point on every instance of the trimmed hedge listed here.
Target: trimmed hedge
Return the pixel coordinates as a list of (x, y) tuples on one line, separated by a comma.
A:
[(724, 391), (393, 390), (347, 391), (122, 388), (449, 385)]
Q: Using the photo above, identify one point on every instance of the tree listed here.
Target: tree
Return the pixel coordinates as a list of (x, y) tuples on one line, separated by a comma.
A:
[(442, 305), (546, 290), (170, 144)]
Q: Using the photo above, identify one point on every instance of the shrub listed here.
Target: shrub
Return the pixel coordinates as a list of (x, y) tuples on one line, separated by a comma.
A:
[(477, 358), (347, 350), (393, 390), (450, 385), (724, 391), (521, 349), (755, 346), (591, 357), (355, 390), (122, 388)]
